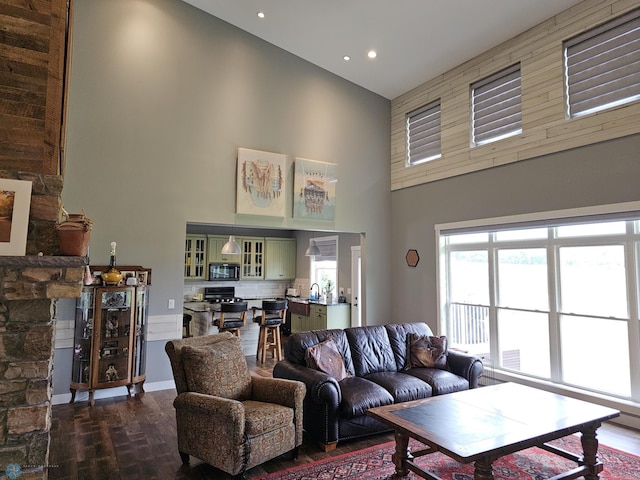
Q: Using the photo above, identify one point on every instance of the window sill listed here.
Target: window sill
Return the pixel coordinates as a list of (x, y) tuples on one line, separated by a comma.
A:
[(629, 410)]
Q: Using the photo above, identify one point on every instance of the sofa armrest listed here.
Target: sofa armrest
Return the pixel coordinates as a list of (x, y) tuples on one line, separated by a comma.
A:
[(321, 388), (466, 366)]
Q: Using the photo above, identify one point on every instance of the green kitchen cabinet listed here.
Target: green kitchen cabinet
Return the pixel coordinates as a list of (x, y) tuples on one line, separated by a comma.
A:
[(322, 317), (280, 258), (252, 258), (330, 316), (195, 257), (214, 249)]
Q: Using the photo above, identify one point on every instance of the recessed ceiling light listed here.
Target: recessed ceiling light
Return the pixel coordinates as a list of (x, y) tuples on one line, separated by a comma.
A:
[(260, 14), (346, 58), (372, 54)]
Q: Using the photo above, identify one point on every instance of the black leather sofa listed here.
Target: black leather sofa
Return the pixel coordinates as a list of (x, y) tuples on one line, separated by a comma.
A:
[(375, 358)]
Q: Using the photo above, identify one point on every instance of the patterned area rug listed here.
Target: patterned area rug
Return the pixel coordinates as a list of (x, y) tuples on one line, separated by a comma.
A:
[(531, 464)]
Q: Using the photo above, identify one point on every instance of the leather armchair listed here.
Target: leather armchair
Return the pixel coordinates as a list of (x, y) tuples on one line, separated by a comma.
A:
[(225, 416)]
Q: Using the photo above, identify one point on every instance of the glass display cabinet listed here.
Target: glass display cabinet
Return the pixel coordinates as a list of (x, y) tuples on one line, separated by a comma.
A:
[(110, 339)]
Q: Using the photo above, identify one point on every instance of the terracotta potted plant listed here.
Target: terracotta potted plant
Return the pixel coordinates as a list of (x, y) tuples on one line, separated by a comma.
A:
[(74, 234)]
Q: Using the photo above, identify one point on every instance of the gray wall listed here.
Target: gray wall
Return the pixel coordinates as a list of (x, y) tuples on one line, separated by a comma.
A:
[(600, 174), (162, 95)]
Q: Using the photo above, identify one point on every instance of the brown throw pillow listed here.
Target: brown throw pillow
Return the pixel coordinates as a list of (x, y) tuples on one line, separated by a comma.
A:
[(325, 357), (219, 370), (426, 351)]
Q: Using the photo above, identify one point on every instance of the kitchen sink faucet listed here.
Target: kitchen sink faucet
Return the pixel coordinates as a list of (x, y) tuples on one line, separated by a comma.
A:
[(317, 296)]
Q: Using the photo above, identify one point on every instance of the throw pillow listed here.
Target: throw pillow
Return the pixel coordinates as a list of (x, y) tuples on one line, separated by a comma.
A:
[(426, 351), (325, 357), (219, 370)]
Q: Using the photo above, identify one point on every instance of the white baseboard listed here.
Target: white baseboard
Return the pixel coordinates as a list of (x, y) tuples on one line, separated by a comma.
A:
[(83, 395)]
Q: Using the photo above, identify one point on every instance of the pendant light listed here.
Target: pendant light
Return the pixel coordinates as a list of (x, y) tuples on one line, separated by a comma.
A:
[(313, 249), (231, 247)]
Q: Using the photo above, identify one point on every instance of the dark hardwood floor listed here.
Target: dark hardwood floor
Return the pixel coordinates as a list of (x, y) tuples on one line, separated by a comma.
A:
[(135, 438)]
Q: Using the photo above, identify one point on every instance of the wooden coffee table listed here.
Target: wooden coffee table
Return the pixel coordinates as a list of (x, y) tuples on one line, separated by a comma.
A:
[(484, 424)]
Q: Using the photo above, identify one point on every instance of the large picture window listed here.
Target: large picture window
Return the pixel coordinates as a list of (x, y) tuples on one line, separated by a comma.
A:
[(556, 303)]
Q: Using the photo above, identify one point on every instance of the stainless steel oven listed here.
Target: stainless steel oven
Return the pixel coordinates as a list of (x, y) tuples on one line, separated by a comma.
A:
[(224, 271), (220, 295)]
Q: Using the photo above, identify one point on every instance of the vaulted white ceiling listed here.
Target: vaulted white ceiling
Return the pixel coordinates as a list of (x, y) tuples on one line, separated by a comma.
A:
[(415, 40)]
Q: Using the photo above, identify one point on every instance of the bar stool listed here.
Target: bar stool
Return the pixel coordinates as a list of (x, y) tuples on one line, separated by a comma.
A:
[(186, 325), (273, 315), (232, 317)]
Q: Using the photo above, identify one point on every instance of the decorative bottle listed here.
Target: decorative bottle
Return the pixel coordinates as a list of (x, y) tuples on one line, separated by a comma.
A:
[(112, 276)]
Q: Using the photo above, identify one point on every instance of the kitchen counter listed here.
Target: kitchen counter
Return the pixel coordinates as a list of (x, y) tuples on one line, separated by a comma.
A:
[(307, 316), (200, 306), (203, 314), (316, 302)]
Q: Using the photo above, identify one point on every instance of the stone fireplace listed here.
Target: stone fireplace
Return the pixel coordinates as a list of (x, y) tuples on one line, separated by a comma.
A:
[(36, 53), (29, 288), (28, 292)]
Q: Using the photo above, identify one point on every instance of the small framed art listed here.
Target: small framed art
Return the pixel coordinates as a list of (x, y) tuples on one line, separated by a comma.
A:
[(15, 200)]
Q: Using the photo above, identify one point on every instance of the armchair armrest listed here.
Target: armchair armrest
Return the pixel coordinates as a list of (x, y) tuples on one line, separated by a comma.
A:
[(321, 388), (465, 365), (288, 393), (280, 391)]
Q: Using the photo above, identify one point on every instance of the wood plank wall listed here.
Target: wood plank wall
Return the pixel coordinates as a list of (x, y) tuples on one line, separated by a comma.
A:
[(32, 71), (546, 128)]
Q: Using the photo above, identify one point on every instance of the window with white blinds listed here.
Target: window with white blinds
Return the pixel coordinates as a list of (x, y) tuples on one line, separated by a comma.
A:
[(328, 247), (602, 66), (423, 134), (496, 107), (324, 267)]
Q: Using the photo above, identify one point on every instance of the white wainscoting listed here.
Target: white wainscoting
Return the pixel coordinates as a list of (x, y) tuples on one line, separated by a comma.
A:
[(159, 327)]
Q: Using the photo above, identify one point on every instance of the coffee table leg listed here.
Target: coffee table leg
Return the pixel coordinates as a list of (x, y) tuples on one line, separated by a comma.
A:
[(402, 455), (484, 470), (590, 452)]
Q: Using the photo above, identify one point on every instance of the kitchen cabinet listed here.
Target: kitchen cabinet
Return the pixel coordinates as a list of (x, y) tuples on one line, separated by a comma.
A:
[(322, 317), (261, 258), (109, 339), (214, 249), (195, 257), (280, 258), (252, 258)]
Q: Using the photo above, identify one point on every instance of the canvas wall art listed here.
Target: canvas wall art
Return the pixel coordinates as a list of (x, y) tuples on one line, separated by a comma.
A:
[(314, 190), (15, 200), (260, 188)]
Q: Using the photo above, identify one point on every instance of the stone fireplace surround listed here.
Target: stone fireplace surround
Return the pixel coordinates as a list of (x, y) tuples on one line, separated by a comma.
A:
[(29, 288)]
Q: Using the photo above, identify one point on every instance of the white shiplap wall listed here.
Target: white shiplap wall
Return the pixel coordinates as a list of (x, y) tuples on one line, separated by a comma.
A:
[(546, 129)]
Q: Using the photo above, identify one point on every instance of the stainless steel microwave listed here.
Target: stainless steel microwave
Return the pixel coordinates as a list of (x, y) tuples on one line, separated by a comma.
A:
[(224, 271)]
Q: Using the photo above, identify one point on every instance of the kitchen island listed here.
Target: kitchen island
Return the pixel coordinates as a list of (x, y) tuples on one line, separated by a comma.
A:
[(310, 315), (203, 314)]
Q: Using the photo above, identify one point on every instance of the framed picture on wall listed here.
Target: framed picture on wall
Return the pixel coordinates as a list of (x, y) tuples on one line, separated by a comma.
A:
[(15, 200), (314, 190), (260, 184)]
